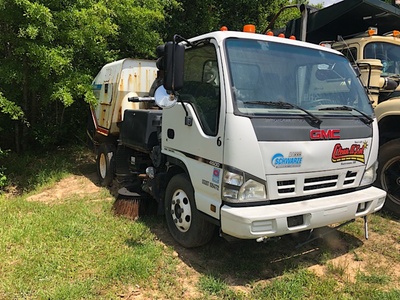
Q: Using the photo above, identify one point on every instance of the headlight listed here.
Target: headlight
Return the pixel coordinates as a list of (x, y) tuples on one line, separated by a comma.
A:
[(233, 178), (252, 189), (239, 187), (369, 175)]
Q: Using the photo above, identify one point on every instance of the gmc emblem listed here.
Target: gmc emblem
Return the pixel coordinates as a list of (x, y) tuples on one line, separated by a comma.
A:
[(320, 134)]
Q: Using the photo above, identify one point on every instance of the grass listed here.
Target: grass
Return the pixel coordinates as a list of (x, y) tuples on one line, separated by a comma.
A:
[(33, 171), (75, 248)]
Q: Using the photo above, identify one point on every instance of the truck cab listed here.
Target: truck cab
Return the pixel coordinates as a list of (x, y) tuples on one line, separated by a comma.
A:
[(283, 137), (257, 136)]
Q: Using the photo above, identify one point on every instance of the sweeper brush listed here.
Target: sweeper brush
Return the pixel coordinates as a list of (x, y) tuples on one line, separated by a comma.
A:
[(130, 204)]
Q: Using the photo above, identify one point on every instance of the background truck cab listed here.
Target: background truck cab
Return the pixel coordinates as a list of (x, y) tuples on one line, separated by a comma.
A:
[(367, 33)]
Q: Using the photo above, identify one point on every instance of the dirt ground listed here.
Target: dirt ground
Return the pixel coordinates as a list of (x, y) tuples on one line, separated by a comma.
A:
[(348, 254)]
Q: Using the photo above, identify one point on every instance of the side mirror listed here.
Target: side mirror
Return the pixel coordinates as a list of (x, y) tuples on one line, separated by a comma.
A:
[(173, 66), (163, 99)]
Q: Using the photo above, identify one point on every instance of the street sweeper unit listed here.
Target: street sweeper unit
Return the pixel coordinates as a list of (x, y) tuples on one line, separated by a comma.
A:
[(254, 135)]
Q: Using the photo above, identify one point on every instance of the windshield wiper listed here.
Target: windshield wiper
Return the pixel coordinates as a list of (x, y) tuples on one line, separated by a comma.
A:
[(367, 119), (283, 104)]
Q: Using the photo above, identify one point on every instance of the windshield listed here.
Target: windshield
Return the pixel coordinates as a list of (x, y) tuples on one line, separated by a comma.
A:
[(275, 78), (389, 54)]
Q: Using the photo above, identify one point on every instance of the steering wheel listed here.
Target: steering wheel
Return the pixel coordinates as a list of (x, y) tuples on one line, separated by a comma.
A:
[(212, 75)]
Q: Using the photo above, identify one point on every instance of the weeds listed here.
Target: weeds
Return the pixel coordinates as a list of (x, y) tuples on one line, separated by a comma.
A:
[(3, 177), (76, 248)]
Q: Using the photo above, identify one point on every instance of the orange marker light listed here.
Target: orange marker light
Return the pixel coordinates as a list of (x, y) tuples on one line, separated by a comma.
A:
[(396, 33), (249, 28), (292, 37), (224, 28), (281, 35), (270, 33), (372, 30)]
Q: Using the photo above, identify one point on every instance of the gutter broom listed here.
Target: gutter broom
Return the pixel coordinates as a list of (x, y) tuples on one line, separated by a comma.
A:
[(130, 204)]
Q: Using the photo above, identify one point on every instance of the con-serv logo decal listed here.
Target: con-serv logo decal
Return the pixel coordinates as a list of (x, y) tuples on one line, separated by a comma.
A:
[(355, 152)]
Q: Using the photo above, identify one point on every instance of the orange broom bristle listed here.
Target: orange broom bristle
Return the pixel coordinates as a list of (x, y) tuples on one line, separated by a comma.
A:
[(127, 207)]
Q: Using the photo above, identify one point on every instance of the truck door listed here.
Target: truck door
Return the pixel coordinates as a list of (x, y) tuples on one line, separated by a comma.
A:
[(105, 97), (199, 145)]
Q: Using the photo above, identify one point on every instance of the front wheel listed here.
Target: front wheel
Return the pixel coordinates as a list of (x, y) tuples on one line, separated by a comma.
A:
[(388, 174), (105, 163), (185, 223)]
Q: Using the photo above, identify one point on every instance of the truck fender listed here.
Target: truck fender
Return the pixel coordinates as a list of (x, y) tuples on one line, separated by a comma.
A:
[(387, 108)]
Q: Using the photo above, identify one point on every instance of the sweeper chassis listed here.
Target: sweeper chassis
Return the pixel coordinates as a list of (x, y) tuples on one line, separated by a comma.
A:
[(132, 202)]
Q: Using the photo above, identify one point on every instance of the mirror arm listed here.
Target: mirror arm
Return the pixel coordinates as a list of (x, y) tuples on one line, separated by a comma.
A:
[(141, 99), (188, 119), (177, 38)]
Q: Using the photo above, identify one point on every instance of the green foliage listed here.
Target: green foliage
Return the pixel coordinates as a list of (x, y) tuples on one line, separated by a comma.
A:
[(3, 177), (192, 18), (212, 285), (10, 108), (73, 247), (53, 49), (34, 170), (73, 250)]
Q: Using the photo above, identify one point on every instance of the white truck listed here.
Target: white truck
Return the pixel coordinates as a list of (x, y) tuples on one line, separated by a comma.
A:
[(255, 135), (367, 33)]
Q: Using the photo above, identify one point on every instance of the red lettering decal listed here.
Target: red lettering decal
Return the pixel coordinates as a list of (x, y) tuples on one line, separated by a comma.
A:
[(355, 152), (321, 134)]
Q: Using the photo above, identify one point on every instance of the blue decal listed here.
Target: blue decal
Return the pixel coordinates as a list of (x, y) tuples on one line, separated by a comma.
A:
[(215, 177), (292, 161), (96, 86)]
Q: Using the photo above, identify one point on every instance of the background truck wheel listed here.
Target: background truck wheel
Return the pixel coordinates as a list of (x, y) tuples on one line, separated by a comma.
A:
[(105, 163), (388, 175), (184, 221)]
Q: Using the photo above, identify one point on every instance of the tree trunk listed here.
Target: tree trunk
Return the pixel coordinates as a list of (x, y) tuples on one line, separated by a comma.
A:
[(17, 139), (25, 107)]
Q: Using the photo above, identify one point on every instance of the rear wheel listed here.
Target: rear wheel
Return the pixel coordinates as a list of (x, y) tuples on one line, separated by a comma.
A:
[(185, 223), (105, 163), (389, 174)]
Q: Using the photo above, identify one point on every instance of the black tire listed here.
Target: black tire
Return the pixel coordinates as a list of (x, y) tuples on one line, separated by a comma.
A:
[(185, 223), (105, 163), (388, 174), (90, 132)]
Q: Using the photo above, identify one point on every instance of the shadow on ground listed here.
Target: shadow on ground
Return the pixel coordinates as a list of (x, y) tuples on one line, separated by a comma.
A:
[(244, 261)]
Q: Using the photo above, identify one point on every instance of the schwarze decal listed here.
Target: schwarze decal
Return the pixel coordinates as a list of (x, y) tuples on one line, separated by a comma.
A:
[(292, 161), (355, 152)]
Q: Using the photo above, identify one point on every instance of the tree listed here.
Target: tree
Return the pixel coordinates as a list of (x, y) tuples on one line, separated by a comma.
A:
[(194, 17), (50, 51)]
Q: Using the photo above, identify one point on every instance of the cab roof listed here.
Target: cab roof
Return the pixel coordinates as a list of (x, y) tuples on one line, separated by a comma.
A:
[(347, 19)]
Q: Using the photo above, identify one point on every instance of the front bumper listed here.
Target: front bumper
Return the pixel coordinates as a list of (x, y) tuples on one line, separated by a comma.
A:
[(276, 220)]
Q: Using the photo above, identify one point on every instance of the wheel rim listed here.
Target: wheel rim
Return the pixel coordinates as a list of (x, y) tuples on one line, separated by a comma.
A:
[(181, 211), (102, 165), (391, 179)]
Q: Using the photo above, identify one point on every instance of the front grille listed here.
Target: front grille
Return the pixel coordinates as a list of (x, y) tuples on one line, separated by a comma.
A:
[(350, 177), (303, 185), (286, 186), (317, 183)]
